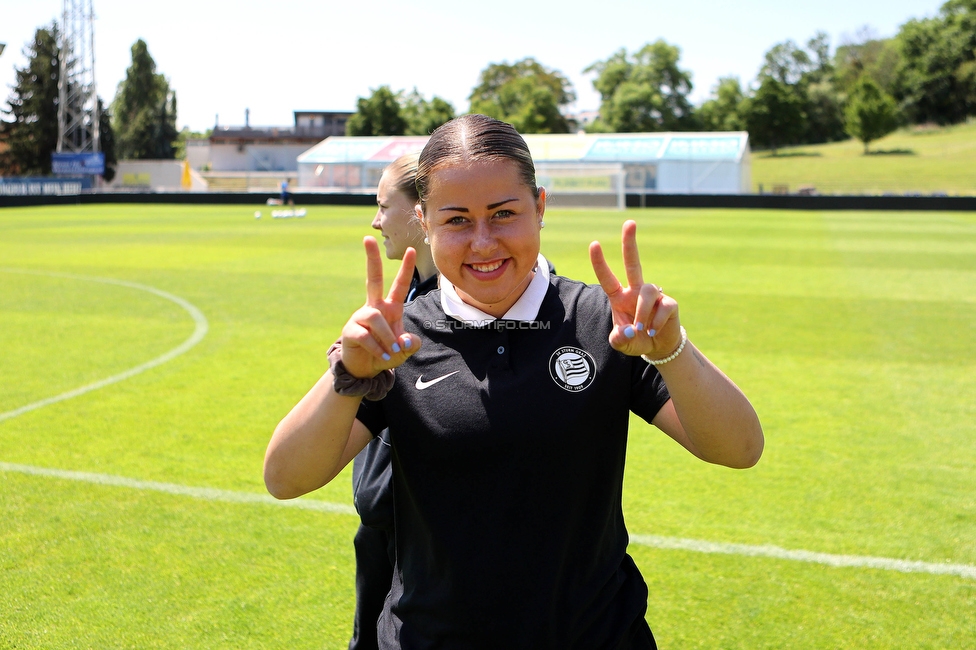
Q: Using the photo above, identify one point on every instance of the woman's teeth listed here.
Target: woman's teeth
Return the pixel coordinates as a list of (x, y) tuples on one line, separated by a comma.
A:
[(486, 268)]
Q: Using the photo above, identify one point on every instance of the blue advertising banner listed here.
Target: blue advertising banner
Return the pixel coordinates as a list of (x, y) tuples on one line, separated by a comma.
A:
[(43, 186), (78, 164)]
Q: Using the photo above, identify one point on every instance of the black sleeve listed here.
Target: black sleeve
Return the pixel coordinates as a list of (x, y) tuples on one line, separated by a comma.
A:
[(373, 416), (648, 392)]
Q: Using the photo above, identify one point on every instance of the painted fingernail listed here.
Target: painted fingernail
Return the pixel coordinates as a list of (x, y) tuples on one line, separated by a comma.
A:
[(396, 348), (651, 332), (386, 357), (640, 327), (629, 332), (408, 343)]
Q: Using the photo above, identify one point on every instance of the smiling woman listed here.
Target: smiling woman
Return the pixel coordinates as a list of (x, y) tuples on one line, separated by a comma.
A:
[(508, 414), (484, 232)]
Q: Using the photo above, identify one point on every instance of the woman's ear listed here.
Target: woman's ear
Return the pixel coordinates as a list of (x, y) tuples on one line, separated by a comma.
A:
[(540, 203), (419, 211)]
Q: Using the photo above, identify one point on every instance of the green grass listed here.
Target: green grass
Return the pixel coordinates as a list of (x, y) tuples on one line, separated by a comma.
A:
[(924, 160), (852, 333)]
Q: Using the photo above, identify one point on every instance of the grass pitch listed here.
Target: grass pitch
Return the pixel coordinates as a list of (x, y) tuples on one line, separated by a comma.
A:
[(852, 333)]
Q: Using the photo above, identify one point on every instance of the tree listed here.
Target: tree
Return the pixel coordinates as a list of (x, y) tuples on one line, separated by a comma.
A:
[(824, 111), (526, 94), (106, 137), (33, 134), (775, 117), (725, 111), (648, 92), (423, 116), (867, 55), (871, 113), (787, 63), (378, 114), (144, 110), (935, 80)]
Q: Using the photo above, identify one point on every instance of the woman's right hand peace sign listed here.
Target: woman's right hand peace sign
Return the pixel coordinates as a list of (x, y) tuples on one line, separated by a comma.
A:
[(373, 339), (645, 320)]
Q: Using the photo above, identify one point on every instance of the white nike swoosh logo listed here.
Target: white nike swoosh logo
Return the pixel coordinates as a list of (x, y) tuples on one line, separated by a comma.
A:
[(421, 384)]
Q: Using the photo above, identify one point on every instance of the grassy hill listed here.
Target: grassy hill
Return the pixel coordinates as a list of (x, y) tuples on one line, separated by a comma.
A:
[(917, 159)]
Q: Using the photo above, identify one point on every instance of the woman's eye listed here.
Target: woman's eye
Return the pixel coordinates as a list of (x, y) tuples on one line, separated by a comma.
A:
[(504, 213), (456, 220)]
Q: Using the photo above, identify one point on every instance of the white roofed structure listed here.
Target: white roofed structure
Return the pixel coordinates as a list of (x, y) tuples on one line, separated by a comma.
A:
[(651, 163)]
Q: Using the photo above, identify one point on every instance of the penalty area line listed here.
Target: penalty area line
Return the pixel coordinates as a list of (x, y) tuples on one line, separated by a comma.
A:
[(654, 541)]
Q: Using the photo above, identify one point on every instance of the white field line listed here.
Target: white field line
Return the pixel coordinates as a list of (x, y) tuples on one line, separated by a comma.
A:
[(670, 543), (775, 552), (206, 494), (198, 333), (213, 494)]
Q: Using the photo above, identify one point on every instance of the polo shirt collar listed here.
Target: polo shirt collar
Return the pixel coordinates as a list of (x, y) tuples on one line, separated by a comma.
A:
[(525, 309)]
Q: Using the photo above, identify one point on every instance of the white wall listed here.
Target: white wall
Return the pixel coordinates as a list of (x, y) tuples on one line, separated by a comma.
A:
[(198, 153), (255, 157), (156, 175)]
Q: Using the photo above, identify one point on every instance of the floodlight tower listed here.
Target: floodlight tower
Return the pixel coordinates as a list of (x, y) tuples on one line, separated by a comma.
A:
[(77, 99)]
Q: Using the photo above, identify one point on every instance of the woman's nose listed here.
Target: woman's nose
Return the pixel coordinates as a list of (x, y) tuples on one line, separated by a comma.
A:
[(484, 239)]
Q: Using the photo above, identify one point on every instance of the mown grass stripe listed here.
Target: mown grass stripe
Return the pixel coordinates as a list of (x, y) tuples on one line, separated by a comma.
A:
[(655, 541)]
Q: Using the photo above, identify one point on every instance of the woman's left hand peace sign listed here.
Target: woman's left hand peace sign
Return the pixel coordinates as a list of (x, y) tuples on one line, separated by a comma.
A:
[(645, 320)]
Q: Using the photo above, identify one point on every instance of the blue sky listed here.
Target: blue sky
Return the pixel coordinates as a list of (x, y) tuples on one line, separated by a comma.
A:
[(277, 57)]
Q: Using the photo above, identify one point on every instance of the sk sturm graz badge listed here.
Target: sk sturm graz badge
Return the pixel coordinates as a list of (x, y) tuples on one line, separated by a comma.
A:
[(572, 369)]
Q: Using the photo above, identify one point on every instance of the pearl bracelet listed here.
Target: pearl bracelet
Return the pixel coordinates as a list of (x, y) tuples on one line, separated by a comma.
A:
[(673, 355)]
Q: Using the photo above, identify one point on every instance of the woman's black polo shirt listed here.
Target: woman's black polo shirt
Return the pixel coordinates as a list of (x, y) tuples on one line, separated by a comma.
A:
[(508, 456)]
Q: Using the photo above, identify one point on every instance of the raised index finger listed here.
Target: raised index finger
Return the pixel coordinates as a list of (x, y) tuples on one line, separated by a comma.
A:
[(374, 272), (609, 282), (632, 264)]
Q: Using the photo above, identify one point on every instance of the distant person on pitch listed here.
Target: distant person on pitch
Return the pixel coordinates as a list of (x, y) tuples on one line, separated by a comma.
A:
[(372, 476), (286, 197)]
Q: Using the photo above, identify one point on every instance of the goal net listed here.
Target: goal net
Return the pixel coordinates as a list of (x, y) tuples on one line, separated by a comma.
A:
[(582, 185)]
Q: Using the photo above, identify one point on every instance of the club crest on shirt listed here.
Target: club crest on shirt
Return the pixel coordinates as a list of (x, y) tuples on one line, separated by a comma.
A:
[(572, 369)]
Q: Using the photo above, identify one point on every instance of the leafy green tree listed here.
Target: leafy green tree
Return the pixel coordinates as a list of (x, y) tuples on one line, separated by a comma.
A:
[(876, 58), (871, 112), (936, 80), (787, 63), (808, 73), (526, 94), (378, 114), (823, 107), (424, 116), (144, 110), (33, 133), (725, 110), (646, 92), (775, 117), (106, 138)]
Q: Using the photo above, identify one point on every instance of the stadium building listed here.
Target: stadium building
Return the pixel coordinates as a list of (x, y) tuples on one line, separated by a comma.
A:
[(577, 169)]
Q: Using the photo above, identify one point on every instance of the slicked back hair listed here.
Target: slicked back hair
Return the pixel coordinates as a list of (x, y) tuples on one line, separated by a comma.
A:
[(472, 138), (402, 173)]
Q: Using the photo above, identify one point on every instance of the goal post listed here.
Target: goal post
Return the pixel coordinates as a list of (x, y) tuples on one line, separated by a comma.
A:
[(583, 185)]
